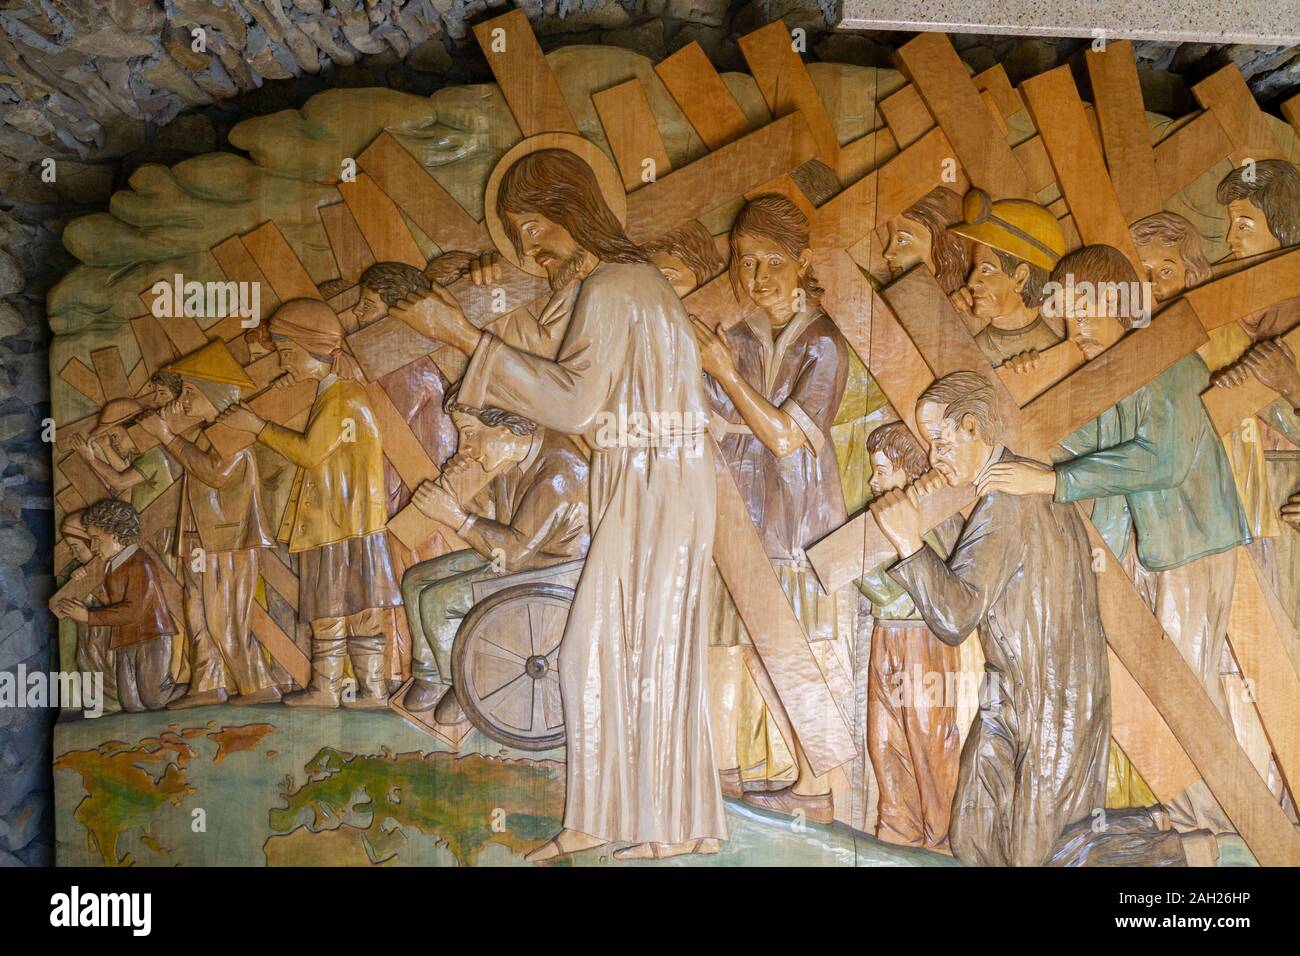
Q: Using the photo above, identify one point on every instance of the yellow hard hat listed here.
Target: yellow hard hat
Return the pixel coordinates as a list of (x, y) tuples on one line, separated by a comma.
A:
[(1019, 227)]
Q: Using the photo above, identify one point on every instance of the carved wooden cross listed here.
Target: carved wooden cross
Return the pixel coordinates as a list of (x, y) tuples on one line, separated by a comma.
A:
[(916, 303)]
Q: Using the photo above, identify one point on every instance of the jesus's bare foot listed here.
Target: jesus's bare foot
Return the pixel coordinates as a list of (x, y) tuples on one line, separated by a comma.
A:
[(562, 844), (662, 851)]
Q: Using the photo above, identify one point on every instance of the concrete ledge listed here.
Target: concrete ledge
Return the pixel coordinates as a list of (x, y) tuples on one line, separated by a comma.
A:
[(1263, 22)]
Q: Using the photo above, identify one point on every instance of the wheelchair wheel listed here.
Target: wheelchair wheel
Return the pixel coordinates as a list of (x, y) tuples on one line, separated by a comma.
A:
[(505, 665)]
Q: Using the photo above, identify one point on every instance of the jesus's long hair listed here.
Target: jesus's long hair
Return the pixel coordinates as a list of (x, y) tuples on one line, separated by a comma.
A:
[(560, 186)]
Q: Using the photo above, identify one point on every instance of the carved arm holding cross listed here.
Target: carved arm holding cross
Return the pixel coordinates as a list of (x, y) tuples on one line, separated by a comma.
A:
[(1274, 365)]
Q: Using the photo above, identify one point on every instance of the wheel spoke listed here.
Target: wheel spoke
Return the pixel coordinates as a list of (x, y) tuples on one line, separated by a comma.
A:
[(491, 672), (504, 650), (538, 722), (514, 703)]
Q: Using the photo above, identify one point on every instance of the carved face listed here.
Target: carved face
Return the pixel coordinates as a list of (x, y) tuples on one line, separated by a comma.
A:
[(103, 543), (547, 243), (1090, 322), (994, 292), (956, 450), (370, 308), (114, 443), (297, 362), (1164, 268), (1248, 233), (157, 396), (194, 404), (677, 272), (80, 547), (490, 447), (770, 275), (909, 243), (884, 476)]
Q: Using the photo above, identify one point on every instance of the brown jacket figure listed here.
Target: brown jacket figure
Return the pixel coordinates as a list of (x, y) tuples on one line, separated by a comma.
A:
[(134, 609), (221, 533)]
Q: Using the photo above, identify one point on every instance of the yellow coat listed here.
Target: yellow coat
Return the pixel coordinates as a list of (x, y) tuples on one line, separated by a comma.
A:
[(339, 490)]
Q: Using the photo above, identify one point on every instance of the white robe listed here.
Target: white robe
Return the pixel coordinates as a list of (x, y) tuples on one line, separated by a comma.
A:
[(632, 663)]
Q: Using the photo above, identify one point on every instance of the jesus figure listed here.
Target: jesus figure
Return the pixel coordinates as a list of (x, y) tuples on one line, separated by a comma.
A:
[(640, 766)]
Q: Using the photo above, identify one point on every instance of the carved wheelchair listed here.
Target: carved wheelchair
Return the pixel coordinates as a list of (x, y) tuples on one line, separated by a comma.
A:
[(505, 660)]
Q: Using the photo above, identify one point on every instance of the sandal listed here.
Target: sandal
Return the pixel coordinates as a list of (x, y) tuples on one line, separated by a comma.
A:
[(555, 847), (664, 851)]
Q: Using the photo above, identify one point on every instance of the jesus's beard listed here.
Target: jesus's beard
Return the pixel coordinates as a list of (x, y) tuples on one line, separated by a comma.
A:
[(561, 273)]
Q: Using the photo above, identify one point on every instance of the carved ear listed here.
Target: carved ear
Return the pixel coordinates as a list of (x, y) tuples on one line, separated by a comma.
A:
[(805, 261), (1021, 275), (970, 424)]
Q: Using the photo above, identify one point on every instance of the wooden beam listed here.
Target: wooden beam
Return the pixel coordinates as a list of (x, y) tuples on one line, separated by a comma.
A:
[(1032, 156), (272, 254), (413, 528), (526, 81), (885, 192), (401, 447), (82, 477), (1054, 364), (992, 106), (156, 350), (280, 646), (181, 330), (1076, 157), (277, 574), (1259, 631), (238, 266), (842, 555), (138, 378), (703, 96), (1134, 634), (1185, 154), (1138, 358), (786, 87), (1246, 291), (81, 377), (1291, 110), (866, 153), (997, 84), (774, 628), (380, 222), (279, 405), (1225, 93), (1229, 407), (387, 345), (932, 65), (1144, 736), (1159, 669), (111, 373), (351, 253), (632, 132), (1117, 98), (418, 194), (719, 177), (906, 115)]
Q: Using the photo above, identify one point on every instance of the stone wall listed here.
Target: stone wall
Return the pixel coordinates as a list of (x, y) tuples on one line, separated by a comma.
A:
[(88, 79), (103, 86)]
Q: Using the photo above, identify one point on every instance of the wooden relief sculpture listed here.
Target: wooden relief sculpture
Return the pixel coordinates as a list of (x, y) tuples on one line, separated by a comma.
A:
[(697, 445)]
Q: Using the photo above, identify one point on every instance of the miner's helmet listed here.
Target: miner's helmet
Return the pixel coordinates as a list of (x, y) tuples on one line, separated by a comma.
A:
[(116, 411), (1019, 227)]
